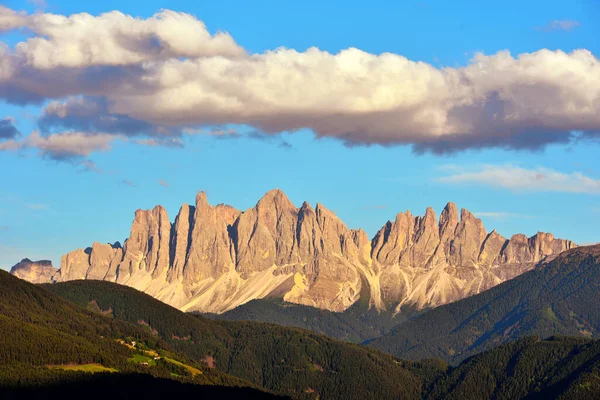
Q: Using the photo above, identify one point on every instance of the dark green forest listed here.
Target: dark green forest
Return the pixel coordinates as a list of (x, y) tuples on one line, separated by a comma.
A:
[(357, 324), (286, 360), (39, 329), (555, 368)]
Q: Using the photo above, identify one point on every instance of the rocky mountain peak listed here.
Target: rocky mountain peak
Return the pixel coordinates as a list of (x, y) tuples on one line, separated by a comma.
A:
[(449, 215), (430, 218), (275, 198), (306, 208), (40, 271), (466, 214), (214, 258), (201, 199)]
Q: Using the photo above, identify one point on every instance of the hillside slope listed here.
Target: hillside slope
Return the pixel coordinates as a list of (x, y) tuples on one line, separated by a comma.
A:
[(557, 368), (356, 324), (560, 297), (46, 341), (285, 360), (560, 367)]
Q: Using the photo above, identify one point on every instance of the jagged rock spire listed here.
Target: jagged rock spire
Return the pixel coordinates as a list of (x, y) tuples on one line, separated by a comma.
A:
[(213, 258)]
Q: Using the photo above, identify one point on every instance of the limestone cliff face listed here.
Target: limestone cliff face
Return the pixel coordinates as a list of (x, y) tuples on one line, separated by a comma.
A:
[(426, 264), (214, 258), (35, 271)]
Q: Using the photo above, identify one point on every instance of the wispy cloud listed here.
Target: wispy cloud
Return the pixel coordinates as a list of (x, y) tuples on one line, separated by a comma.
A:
[(155, 142), (376, 207), (37, 207), (65, 146), (163, 183), (90, 166), (40, 5), (516, 178), (215, 131), (560, 25), (4, 227), (285, 145), (503, 215), (128, 182), (265, 137)]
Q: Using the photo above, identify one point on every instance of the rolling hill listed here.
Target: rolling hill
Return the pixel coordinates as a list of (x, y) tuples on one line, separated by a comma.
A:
[(559, 367), (46, 341), (556, 368), (285, 360), (356, 324)]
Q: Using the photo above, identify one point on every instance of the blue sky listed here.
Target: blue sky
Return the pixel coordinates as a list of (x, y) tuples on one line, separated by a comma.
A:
[(51, 203)]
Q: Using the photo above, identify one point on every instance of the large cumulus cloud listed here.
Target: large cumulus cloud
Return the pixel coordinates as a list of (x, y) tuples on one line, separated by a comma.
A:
[(166, 74)]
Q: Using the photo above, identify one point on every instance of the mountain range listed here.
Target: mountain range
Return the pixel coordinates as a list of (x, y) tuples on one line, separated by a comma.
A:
[(215, 258), (47, 330)]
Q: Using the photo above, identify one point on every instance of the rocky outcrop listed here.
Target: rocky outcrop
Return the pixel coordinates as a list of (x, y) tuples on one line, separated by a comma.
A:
[(34, 271), (214, 258)]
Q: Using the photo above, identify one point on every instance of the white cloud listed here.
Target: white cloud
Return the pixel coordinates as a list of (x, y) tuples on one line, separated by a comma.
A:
[(521, 179), (113, 38), (10, 19), (562, 25), (63, 146), (69, 144), (10, 145), (163, 183), (167, 71)]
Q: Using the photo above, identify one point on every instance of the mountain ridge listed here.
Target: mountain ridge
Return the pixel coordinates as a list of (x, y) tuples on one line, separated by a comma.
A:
[(215, 258), (558, 298)]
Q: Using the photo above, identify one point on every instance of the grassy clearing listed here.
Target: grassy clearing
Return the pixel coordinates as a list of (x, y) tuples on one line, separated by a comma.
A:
[(91, 368), (139, 358), (124, 343), (189, 368), (151, 353)]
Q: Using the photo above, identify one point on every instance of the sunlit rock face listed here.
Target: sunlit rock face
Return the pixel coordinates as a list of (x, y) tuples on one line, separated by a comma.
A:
[(35, 271), (215, 258)]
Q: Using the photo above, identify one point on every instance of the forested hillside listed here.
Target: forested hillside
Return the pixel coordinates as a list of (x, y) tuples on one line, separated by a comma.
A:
[(285, 360), (356, 324), (560, 367), (556, 368), (560, 297), (47, 342)]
